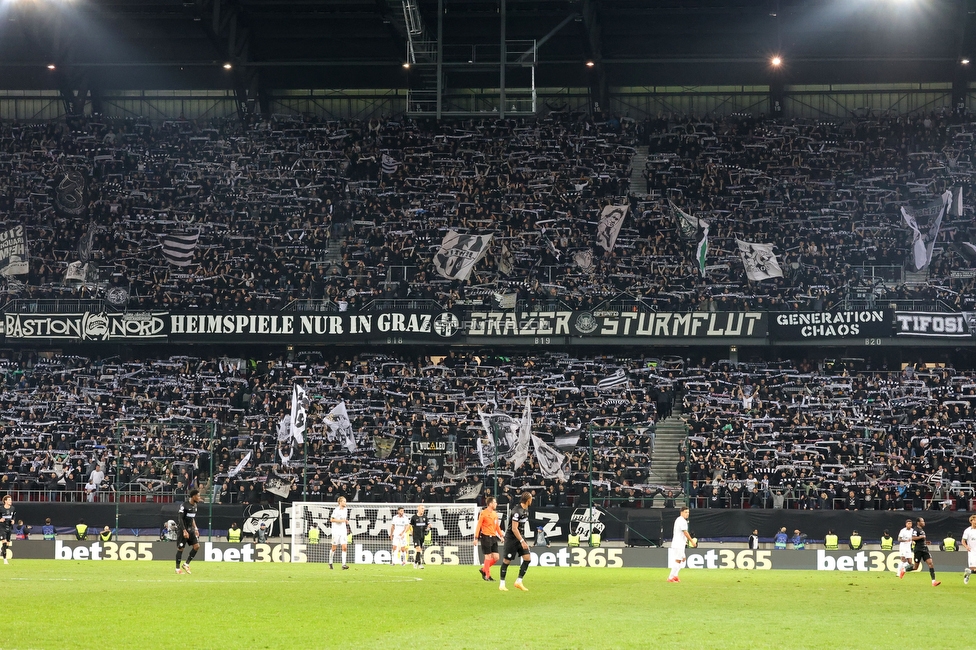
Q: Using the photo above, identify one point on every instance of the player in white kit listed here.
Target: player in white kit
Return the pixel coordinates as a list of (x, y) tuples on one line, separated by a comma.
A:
[(969, 543), (679, 540), (398, 537), (340, 531), (905, 548)]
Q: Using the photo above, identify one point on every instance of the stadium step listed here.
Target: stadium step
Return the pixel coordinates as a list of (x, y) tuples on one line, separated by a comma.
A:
[(637, 164), (669, 435)]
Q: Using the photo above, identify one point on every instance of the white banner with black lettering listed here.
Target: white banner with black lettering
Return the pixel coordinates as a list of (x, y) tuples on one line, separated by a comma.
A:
[(13, 251)]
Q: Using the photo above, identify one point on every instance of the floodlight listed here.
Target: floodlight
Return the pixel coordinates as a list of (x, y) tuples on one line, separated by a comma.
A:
[(406, 65), (50, 66), (776, 61), (227, 66), (965, 62), (590, 64)]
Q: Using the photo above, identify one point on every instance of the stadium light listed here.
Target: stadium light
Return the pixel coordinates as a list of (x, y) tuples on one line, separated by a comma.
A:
[(590, 64), (227, 66), (965, 62), (50, 66), (776, 61), (406, 65)]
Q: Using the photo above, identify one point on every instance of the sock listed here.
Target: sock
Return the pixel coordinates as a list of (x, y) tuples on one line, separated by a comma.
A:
[(490, 562), (932, 572), (522, 570), (504, 570), (331, 555), (968, 571), (343, 558), (673, 574), (179, 557), (193, 553), (487, 565)]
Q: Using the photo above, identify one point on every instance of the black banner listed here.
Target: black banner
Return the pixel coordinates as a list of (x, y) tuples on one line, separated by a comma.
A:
[(614, 324), (87, 326), (872, 323)]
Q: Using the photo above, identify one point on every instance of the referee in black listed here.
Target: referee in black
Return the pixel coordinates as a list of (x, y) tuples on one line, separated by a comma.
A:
[(515, 544)]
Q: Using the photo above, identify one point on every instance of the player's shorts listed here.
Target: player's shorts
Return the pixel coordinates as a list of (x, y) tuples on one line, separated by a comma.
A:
[(340, 538), (971, 558), (400, 541), (922, 556), (513, 549), (676, 558), (5, 533), (183, 542), (418, 541), (489, 544), (905, 549)]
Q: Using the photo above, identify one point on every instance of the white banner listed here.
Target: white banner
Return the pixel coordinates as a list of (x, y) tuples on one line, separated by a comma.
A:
[(611, 219), (459, 253), (759, 260), (299, 403), (923, 244), (550, 461), (13, 252)]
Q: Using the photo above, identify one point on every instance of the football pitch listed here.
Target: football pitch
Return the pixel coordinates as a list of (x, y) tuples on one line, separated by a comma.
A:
[(59, 604)]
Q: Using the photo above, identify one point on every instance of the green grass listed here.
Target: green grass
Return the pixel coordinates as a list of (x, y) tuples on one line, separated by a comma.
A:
[(54, 604)]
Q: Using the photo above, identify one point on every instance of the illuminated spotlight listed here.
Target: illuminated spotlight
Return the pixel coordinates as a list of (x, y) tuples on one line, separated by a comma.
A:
[(590, 64), (227, 66), (965, 62), (406, 65), (776, 61), (50, 66)]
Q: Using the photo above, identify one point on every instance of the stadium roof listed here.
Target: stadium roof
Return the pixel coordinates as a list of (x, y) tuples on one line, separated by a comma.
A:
[(173, 44)]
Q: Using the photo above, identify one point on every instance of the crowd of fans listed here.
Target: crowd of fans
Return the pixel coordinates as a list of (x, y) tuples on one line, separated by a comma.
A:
[(352, 211), (775, 435), (342, 213), (157, 427), (769, 434)]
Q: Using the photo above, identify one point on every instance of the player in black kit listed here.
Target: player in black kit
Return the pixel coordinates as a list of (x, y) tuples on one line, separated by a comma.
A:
[(922, 550), (187, 532), (6, 525), (419, 524), (515, 544)]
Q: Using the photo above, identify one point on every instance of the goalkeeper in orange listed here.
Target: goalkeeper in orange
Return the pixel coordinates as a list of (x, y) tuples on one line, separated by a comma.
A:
[(488, 532)]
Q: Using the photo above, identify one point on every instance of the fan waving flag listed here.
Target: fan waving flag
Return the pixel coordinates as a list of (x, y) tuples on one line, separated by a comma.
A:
[(702, 251), (687, 224), (389, 164), (611, 219), (759, 261), (459, 253), (178, 248), (299, 413)]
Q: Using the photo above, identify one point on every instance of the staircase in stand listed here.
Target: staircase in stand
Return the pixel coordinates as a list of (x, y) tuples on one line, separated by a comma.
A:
[(668, 436), (637, 164)]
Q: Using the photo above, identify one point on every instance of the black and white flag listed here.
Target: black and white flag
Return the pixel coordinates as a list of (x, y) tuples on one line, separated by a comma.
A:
[(506, 261), (509, 438), (178, 248), (923, 244), (339, 426), (389, 164), (277, 485), (584, 260), (759, 260), (459, 253), (611, 219), (567, 441), (299, 413), (86, 242), (687, 225), (550, 460), (13, 252), (616, 380), (240, 466)]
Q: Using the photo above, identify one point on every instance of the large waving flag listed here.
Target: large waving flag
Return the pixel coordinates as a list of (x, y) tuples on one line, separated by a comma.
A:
[(178, 248), (459, 253), (702, 251), (611, 219), (759, 260)]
